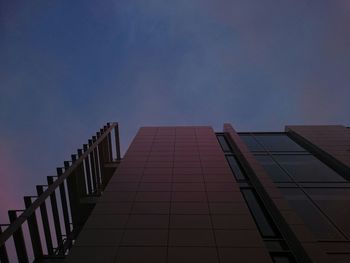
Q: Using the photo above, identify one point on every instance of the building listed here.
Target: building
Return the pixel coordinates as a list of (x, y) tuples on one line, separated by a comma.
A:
[(188, 194)]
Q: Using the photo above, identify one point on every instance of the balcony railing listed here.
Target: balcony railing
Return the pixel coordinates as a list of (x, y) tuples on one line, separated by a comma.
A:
[(48, 226)]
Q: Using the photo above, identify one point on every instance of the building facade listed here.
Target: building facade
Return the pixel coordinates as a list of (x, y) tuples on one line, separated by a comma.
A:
[(188, 194)]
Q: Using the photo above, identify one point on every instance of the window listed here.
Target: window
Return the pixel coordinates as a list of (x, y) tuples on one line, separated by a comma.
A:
[(307, 168), (334, 194), (224, 145), (278, 142), (235, 167), (279, 250), (272, 169), (251, 143), (260, 216), (332, 202), (318, 224)]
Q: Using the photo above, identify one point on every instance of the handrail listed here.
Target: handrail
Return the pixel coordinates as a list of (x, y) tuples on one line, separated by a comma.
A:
[(101, 151)]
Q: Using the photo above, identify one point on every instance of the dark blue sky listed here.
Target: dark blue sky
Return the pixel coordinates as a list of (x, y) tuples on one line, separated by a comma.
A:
[(67, 67)]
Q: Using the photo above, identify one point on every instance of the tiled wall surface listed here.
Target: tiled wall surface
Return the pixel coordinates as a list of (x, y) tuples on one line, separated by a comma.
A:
[(172, 199)]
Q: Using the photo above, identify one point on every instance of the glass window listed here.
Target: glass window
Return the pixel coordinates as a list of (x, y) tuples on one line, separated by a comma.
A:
[(272, 169), (334, 203), (278, 142), (224, 145), (334, 194), (317, 223), (307, 168), (251, 143), (235, 167), (258, 213)]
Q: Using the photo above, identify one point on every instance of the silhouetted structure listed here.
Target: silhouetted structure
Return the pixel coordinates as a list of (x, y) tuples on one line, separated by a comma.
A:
[(46, 230), (188, 194)]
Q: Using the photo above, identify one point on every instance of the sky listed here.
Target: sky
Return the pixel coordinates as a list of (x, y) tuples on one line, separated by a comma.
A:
[(68, 67)]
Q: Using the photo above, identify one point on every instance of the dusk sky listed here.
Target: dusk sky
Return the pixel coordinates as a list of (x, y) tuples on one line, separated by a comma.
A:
[(68, 67)]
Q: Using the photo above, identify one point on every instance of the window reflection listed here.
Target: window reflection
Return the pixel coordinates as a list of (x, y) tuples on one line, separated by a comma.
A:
[(332, 202), (278, 142), (334, 194), (224, 145), (307, 168), (259, 214), (237, 171), (318, 224), (272, 169), (251, 143)]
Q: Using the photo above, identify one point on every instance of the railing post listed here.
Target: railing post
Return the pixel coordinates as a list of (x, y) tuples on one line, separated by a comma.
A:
[(80, 177), (64, 203), (55, 214), (117, 142), (45, 220), (18, 239), (87, 170), (93, 168), (105, 158), (73, 193), (100, 150), (105, 148), (109, 143), (97, 167), (3, 252), (34, 230)]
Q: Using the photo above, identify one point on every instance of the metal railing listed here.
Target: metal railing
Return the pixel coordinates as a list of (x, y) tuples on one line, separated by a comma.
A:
[(48, 226)]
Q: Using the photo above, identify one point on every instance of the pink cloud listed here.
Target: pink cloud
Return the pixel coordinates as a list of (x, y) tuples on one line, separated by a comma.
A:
[(10, 172)]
